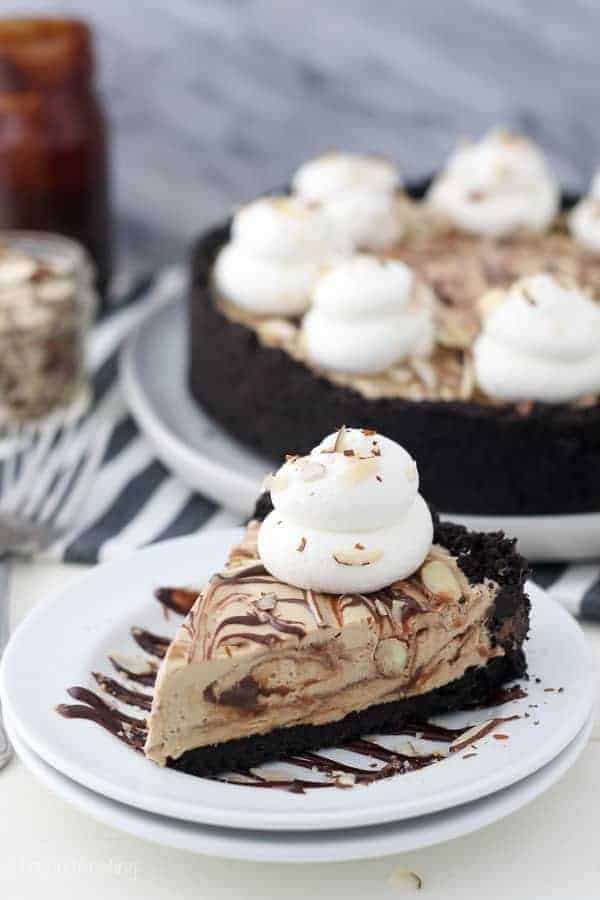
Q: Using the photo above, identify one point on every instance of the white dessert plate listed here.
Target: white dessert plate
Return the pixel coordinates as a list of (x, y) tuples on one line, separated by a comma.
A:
[(303, 846), (66, 638), (209, 460)]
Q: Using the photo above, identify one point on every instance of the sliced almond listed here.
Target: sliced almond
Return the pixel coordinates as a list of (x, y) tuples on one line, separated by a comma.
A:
[(397, 609), (391, 656), (381, 608), (357, 470), (339, 440), (566, 281), (467, 381), (277, 481), (310, 470), (453, 333), (277, 332), (401, 375), (405, 880), (410, 470), (16, 268), (425, 373), (266, 602), (438, 579), (356, 557), (490, 301), (344, 779)]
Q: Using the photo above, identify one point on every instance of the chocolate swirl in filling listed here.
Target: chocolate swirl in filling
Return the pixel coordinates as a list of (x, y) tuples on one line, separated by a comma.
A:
[(132, 731)]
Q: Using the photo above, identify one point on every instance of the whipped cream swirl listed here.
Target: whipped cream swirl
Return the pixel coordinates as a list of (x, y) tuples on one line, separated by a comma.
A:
[(278, 247), (358, 193), (542, 342), (584, 220), (348, 518), (368, 315), (334, 173), (496, 186)]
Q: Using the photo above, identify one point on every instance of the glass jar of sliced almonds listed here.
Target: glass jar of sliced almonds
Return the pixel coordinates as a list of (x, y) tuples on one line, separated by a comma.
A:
[(47, 301)]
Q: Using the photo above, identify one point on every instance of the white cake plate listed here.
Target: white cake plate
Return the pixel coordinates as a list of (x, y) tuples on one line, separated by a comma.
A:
[(68, 637), (305, 846)]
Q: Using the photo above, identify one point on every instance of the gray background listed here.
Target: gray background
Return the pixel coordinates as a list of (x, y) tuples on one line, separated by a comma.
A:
[(213, 101)]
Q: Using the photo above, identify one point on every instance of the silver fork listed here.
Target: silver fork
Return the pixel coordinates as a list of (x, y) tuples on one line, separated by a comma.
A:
[(46, 474)]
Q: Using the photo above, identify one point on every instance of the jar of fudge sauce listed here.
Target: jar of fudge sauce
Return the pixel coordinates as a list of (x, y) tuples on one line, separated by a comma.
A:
[(47, 301), (54, 173)]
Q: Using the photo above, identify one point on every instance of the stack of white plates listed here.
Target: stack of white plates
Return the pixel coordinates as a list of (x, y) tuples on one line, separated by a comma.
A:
[(68, 637)]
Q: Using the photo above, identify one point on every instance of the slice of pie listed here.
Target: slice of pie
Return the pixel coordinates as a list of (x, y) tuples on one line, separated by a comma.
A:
[(261, 668)]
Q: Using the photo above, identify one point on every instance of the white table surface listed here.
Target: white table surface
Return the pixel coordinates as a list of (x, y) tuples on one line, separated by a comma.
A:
[(547, 850)]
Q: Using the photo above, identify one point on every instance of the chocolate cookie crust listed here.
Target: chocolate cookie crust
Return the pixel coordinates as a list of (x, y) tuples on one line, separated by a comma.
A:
[(475, 688), (479, 556)]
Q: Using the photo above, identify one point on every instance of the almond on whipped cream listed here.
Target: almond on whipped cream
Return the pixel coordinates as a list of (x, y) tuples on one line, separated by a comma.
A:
[(541, 341), (278, 247), (496, 186)]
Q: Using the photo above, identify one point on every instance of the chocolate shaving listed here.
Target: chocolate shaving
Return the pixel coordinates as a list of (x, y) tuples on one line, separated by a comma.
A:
[(154, 644), (477, 732), (130, 730), (339, 440), (147, 676), (528, 296), (179, 600), (122, 693)]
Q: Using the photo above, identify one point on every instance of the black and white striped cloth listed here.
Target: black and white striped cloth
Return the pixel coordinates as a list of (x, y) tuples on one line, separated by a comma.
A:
[(136, 501)]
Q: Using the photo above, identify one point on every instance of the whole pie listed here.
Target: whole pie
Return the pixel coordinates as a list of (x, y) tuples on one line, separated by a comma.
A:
[(461, 320)]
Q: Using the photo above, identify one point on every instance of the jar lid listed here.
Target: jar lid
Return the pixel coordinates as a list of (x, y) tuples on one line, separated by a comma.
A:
[(40, 51), (37, 268)]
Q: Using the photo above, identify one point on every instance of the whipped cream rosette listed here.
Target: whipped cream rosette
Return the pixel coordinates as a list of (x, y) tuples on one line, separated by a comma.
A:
[(348, 517), (358, 193), (584, 220), (278, 247), (334, 173), (367, 220), (496, 186), (540, 341), (368, 315)]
